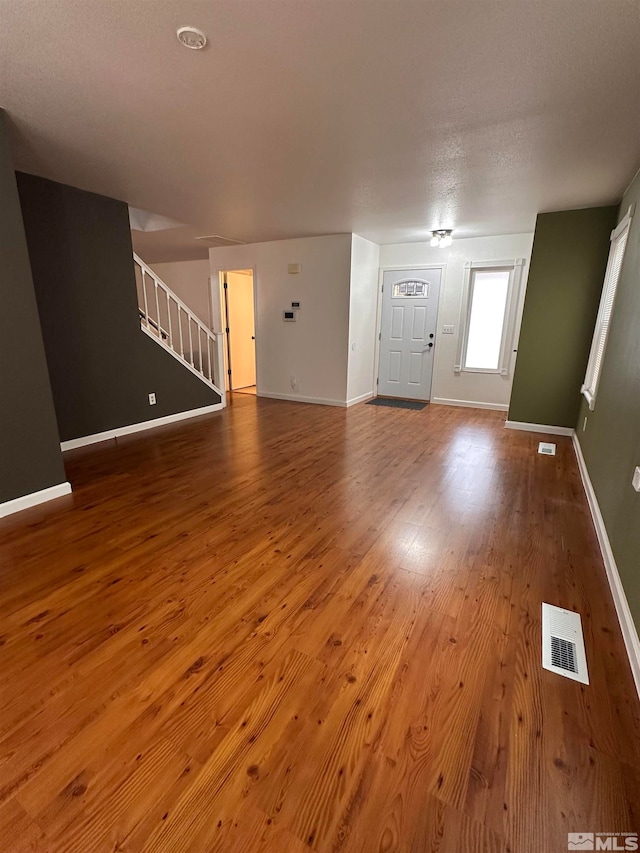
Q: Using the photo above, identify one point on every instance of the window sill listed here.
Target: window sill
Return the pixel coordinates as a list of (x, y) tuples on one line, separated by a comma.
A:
[(496, 372)]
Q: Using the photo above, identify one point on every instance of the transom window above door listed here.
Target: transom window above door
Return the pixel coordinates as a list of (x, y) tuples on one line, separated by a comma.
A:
[(488, 316)]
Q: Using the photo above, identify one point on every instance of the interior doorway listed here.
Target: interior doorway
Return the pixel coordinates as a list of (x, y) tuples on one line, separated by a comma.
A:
[(238, 309)]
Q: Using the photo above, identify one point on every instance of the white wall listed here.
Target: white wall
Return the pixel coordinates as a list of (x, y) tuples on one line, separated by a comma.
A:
[(363, 305), (314, 349), (491, 390), (190, 281)]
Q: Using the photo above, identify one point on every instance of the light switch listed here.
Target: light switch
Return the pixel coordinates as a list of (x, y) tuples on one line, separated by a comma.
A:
[(447, 330)]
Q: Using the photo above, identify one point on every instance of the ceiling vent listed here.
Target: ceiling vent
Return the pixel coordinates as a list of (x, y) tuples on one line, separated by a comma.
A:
[(217, 240), (563, 643)]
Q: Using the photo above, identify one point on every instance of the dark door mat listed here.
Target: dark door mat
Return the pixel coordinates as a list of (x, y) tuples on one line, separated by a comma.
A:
[(416, 405)]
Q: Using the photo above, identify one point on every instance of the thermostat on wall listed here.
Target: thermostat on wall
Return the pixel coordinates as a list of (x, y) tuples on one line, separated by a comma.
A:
[(289, 316)]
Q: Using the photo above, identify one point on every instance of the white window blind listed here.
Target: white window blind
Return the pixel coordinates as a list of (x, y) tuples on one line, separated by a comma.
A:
[(611, 277)]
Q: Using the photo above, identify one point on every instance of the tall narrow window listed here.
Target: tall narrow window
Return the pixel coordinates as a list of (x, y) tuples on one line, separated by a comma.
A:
[(488, 316), (601, 332), (487, 304)]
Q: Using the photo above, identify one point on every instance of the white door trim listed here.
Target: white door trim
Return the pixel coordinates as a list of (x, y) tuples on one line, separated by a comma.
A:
[(376, 354)]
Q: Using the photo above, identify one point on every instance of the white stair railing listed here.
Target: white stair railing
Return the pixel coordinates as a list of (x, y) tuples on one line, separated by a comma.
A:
[(172, 324)]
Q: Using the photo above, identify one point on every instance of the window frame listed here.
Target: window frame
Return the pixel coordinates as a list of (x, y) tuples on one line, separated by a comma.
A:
[(600, 338), (515, 269)]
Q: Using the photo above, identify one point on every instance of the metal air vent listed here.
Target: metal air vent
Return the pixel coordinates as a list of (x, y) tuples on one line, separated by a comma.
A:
[(546, 448), (563, 643), (217, 240)]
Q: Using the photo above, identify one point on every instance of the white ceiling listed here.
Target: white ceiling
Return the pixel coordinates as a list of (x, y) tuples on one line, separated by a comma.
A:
[(302, 117)]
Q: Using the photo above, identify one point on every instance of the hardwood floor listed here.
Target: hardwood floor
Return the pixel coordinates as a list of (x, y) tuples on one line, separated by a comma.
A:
[(286, 627)]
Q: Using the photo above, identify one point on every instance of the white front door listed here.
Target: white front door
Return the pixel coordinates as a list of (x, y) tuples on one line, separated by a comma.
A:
[(408, 332)]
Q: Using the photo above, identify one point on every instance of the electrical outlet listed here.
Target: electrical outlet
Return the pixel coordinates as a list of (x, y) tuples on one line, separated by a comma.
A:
[(636, 479), (152, 399), (447, 330), (294, 383)]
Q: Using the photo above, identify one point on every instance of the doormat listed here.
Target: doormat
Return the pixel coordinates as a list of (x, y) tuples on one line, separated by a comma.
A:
[(394, 403)]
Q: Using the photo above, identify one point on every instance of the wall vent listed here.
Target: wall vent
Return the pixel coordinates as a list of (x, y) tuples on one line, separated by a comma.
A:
[(563, 643), (547, 448)]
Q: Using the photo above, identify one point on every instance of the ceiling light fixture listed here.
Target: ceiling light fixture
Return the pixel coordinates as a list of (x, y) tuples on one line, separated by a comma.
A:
[(191, 37), (441, 238)]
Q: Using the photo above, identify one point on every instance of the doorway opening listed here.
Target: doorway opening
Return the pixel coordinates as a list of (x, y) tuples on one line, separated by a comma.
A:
[(238, 320)]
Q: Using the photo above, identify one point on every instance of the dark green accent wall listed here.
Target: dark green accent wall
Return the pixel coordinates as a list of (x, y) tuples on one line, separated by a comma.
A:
[(611, 442), (102, 366), (30, 458), (568, 262)]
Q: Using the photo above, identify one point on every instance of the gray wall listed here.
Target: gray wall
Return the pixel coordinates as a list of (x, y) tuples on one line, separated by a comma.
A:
[(30, 458), (568, 261), (102, 366), (611, 442)]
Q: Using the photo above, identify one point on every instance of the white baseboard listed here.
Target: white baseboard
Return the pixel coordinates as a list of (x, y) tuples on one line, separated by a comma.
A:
[(354, 400), (35, 498), (627, 625), (144, 425), (298, 398), (470, 404), (544, 428)]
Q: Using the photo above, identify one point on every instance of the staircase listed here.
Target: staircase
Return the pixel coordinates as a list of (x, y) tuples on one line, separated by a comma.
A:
[(173, 325)]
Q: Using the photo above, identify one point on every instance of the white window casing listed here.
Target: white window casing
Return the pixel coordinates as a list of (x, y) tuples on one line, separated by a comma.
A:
[(515, 269), (601, 332)]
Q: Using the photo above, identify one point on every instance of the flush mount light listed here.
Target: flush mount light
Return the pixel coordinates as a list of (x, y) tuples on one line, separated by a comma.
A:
[(191, 37), (441, 238)]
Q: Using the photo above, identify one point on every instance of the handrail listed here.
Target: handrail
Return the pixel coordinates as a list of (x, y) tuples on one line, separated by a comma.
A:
[(209, 365), (173, 295)]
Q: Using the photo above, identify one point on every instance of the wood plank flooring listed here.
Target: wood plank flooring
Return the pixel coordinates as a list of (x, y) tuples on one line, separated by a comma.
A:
[(287, 627)]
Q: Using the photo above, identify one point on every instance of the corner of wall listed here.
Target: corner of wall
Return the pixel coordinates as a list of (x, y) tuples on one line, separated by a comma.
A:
[(30, 458)]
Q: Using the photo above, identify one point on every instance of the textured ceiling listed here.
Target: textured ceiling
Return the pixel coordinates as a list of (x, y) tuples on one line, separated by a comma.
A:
[(316, 116)]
